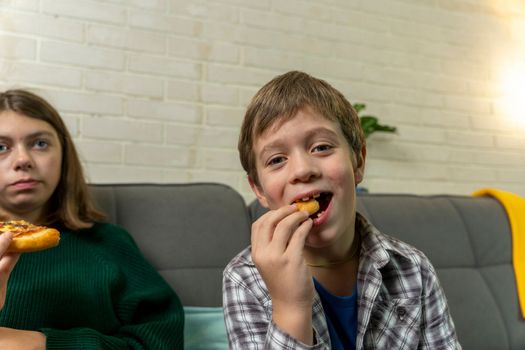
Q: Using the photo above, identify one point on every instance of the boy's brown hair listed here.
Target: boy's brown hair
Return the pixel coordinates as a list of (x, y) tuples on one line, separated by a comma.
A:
[(70, 204), (281, 98)]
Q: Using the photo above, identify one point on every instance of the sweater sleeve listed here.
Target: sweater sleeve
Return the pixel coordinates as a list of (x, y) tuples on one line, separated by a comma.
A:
[(149, 312)]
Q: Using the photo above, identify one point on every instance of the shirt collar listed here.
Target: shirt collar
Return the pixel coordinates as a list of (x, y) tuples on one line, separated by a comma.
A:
[(376, 246)]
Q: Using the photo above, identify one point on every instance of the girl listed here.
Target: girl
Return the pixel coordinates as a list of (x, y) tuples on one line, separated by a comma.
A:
[(95, 290)]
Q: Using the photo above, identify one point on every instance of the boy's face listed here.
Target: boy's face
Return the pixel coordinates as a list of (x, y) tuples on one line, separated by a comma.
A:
[(307, 156)]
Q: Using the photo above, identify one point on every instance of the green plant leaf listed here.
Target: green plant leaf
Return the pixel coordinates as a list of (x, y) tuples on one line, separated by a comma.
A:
[(359, 107), (370, 123)]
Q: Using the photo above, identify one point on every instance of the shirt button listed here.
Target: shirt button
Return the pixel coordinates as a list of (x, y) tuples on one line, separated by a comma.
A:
[(401, 313)]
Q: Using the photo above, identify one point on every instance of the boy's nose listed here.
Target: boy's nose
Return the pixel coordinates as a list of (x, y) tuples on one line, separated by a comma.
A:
[(304, 169)]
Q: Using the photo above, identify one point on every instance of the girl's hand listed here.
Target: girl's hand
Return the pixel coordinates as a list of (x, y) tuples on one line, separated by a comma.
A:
[(278, 239), (7, 263), (15, 339)]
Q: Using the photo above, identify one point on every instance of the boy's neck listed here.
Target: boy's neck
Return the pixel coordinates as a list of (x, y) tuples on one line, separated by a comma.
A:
[(339, 280), (337, 276)]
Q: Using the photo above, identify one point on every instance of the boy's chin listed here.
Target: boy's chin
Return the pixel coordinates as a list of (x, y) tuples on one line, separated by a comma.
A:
[(320, 238), (314, 242)]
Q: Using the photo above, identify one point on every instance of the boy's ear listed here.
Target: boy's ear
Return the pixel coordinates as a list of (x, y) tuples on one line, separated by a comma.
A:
[(258, 192), (359, 171)]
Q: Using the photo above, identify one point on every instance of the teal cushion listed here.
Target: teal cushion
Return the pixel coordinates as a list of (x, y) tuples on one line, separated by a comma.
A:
[(204, 328)]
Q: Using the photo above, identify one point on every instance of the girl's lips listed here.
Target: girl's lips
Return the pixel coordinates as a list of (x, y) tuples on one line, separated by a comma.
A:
[(25, 185)]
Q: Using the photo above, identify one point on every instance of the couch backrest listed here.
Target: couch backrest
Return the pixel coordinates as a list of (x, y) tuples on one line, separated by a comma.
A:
[(189, 232), (468, 241)]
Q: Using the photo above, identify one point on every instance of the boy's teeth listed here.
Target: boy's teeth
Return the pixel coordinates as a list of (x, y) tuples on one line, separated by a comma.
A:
[(306, 199)]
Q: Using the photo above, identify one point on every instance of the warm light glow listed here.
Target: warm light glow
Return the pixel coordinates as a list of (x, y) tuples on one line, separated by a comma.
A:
[(513, 88), (512, 75)]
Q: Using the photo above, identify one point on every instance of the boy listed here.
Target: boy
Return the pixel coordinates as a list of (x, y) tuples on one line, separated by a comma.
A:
[(328, 280)]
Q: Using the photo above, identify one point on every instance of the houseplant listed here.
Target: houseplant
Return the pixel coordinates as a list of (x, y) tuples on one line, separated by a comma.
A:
[(369, 123)]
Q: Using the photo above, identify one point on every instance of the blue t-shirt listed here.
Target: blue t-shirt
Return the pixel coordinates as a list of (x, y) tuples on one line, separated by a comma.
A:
[(341, 317)]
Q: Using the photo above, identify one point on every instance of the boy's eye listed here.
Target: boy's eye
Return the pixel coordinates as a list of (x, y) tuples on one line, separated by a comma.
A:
[(321, 148), (275, 161), (3, 148)]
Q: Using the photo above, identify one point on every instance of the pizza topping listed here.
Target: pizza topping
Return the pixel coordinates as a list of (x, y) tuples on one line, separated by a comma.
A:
[(18, 227)]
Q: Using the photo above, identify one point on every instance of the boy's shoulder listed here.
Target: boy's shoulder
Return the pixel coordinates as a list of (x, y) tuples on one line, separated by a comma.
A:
[(241, 274), (241, 263), (383, 246)]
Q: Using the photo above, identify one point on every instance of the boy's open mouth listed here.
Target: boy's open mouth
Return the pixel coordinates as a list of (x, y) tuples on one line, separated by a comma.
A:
[(323, 199)]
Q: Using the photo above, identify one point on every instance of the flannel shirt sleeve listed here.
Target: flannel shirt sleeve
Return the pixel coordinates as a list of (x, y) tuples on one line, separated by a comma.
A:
[(247, 314), (437, 328)]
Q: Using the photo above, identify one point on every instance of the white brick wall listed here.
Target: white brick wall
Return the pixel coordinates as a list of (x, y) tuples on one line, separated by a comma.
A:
[(155, 90)]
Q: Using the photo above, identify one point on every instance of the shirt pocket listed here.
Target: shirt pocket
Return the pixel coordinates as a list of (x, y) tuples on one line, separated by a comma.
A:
[(394, 324)]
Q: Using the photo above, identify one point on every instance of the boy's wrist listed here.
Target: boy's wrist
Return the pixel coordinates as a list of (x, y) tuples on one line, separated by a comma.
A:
[(295, 321)]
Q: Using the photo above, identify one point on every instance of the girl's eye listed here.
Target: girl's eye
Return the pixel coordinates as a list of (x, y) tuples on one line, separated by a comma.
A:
[(41, 144)]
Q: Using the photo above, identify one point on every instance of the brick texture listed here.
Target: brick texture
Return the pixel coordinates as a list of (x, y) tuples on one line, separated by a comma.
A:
[(155, 90)]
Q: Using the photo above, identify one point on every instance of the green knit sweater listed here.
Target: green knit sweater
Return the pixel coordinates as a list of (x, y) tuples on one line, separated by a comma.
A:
[(94, 291)]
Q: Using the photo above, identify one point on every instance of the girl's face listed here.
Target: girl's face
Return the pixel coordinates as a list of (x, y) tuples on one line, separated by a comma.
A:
[(30, 165)]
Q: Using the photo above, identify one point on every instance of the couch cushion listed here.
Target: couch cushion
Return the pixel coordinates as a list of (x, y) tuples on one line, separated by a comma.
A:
[(189, 232), (204, 328)]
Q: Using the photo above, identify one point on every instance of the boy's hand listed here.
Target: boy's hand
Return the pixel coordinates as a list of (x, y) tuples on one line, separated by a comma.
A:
[(278, 239)]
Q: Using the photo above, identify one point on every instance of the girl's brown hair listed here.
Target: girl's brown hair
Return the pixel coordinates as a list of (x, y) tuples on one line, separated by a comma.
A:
[(281, 98), (70, 204)]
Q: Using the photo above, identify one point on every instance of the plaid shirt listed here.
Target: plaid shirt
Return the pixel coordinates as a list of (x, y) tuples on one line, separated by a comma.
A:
[(401, 304)]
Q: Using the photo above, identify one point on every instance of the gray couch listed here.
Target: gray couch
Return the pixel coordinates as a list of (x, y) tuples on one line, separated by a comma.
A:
[(190, 231)]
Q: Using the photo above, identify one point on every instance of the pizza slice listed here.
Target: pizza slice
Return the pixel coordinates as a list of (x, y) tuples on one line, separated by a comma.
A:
[(28, 237)]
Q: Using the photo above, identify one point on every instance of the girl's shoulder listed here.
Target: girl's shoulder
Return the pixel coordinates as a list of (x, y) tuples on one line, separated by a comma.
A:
[(107, 233), (106, 227)]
